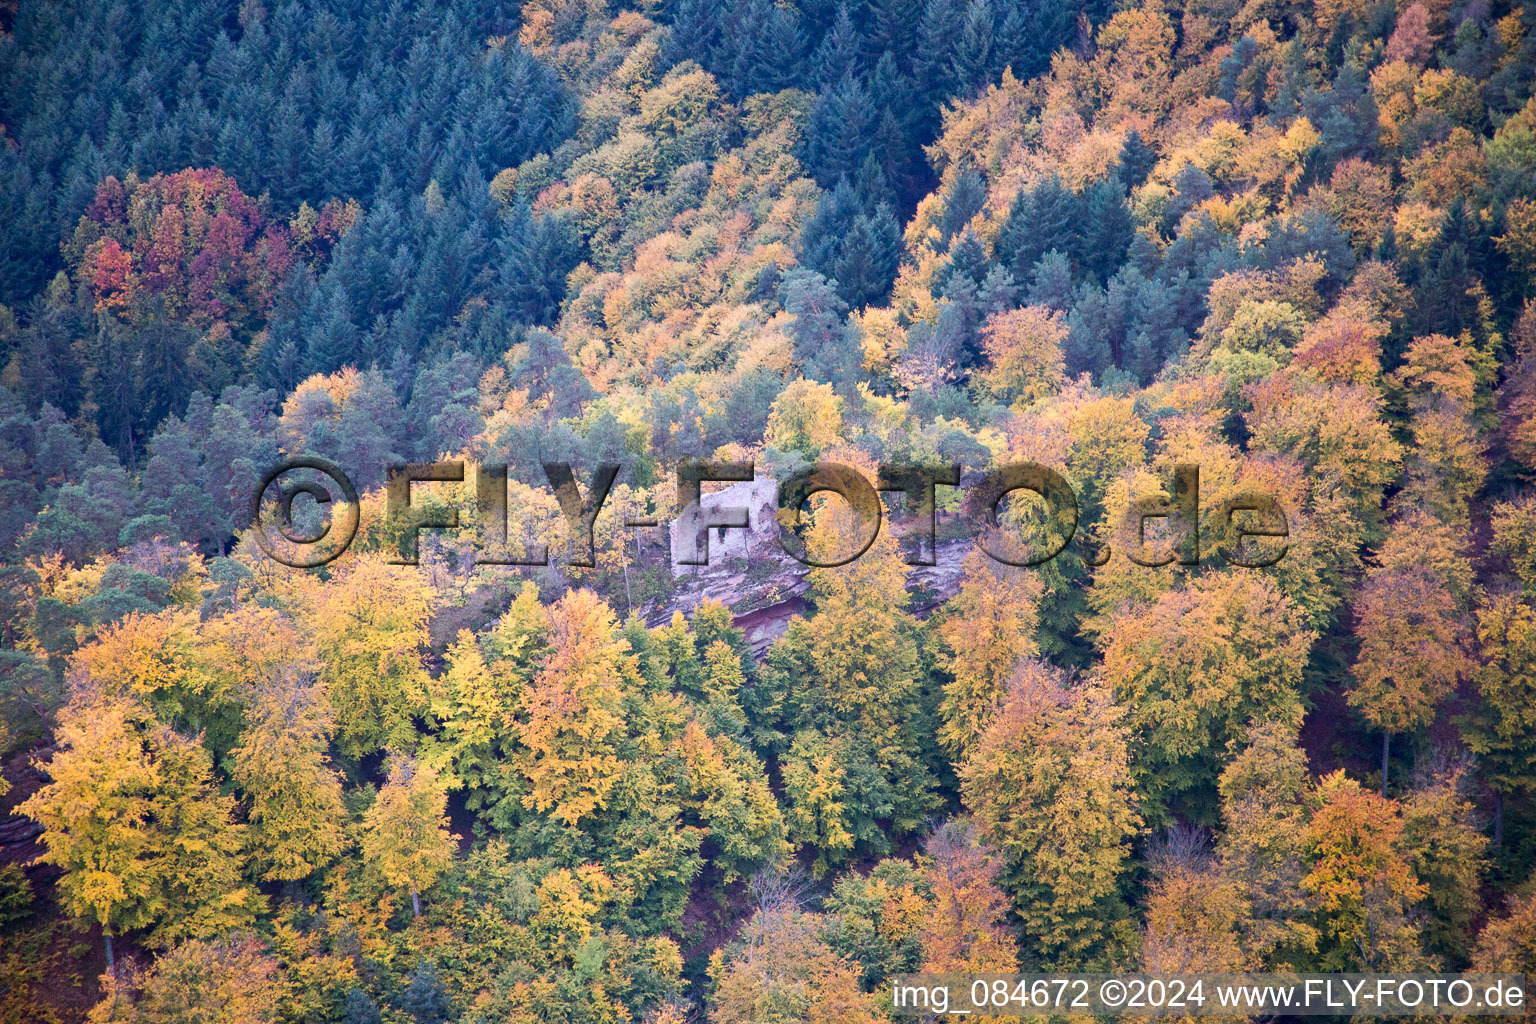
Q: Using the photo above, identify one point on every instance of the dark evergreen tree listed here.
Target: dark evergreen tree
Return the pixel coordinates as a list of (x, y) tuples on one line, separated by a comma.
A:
[(1089, 348), (933, 59), (838, 55), (1244, 51), (46, 357), (425, 998), (1136, 160), (546, 371), (1027, 34), (838, 137), (360, 1009), (895, 142), (820, 337), (112, 387), (963, 199), (1345, 116), (893, 27), (277, 361), (536, 255), (856, 247), (968, 257), (1052, 283), (974, 57), (866, 263), (1040, 219), (336, 341), (1106, 228)]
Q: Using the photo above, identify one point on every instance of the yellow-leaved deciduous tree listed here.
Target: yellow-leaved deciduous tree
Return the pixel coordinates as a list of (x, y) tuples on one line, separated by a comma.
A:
[(1514, 538), (987, 627), (583, 964), (1092, 439), (1338, 434), (1196, 916), (1192, 438), (821, 812), (94, 813), (1410, 652), (1049, 784), (1501, 728), (728, 789), (1419, 539), (1445, 466), (143, 835), (569, 905), (1134, 64), (405, 833), (1194, 670), (571, 717), (1508, 943), (1104, 437), (1362, 882), (1023, 347), (1266, 791), (806, 417), (153, 659), (370, 629), (1444, 841), (1121, 583), (721, 682), (847, 685), (233, 980), (590, 972), (669, 1013), (298, 823), (475, 714), (780, 971), (315, 955), (477, 702), (863, 652), (1518, 241), (965, 927), (199, 850), (1321, 553), (252, 648), (145, 657)]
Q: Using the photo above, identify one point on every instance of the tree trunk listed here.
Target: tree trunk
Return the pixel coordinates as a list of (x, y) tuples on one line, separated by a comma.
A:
[(1386, 745), (629, 602), (106, 941), (415, 904)]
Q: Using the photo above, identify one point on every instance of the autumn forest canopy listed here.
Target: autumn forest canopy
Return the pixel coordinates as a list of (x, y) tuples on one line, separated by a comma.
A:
[(1290, 243)]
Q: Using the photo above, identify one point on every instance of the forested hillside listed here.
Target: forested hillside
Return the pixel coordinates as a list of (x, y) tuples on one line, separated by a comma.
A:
[(1293, 244)]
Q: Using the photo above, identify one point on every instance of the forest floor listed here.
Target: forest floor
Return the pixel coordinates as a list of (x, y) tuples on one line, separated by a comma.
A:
[(52, 966)]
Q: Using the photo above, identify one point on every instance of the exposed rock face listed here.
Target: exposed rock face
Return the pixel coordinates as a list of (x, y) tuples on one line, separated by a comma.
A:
[(19, 835), (769, 609), (759, 498), (751, 574), (765, 625)]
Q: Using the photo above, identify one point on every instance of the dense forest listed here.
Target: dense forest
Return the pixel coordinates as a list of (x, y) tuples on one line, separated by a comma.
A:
[(1291, 243)]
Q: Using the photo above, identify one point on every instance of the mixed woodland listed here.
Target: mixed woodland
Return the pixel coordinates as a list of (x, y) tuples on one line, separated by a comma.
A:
[(1292, 243)]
